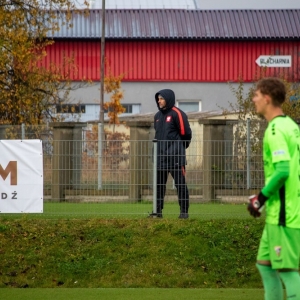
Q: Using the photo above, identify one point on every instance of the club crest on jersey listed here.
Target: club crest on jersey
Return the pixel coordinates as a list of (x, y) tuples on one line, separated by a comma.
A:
[(169, 119), (277, 250)]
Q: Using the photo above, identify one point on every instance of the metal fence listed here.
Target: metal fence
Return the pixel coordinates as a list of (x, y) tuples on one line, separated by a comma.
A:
[(223, 170)]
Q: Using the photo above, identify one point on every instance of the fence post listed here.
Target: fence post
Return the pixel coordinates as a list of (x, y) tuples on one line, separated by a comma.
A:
[(248, 155), (154, 209), (66, 159), (23, 131), (213, 156), (100, 154), (138, 158)]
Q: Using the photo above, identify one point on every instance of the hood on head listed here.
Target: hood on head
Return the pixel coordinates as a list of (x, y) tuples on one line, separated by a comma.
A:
[(168, 95)]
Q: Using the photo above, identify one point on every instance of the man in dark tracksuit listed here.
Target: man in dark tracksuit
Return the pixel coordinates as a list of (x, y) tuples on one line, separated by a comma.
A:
[(173, 135)]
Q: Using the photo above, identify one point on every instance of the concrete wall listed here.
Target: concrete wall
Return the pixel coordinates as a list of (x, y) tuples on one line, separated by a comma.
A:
[(213, 96)]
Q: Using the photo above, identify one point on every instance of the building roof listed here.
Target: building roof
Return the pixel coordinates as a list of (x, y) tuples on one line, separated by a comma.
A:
[(148, 117), (184, 24)]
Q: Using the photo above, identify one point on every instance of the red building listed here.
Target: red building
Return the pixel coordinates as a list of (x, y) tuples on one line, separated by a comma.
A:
[(194, 52)]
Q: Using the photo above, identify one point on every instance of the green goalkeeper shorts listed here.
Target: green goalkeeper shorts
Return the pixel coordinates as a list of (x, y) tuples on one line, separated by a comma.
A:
[(281, 246)]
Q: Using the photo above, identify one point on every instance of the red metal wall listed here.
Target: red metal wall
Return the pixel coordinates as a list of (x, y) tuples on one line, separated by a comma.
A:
[(200, 61)]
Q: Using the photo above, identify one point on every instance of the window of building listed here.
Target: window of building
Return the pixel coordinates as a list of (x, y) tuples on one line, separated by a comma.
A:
[(189, 105), (70, 108), (130, 109), (295, 97)]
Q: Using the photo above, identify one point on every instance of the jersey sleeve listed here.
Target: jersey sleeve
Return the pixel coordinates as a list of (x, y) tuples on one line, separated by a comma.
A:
[(278, 145), (183, 126), (187, 137), (277, 179)]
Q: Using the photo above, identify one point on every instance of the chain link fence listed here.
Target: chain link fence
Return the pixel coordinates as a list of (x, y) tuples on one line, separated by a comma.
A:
[(219, 170)]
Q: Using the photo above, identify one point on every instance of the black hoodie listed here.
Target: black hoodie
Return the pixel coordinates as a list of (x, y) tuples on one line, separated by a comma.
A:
[(172, 131)]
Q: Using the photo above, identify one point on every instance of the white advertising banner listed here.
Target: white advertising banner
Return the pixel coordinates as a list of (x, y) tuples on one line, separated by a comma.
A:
[(21, 176)]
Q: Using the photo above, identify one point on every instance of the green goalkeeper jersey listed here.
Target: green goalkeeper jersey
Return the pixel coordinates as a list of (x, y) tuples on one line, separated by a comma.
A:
[(282, 143)]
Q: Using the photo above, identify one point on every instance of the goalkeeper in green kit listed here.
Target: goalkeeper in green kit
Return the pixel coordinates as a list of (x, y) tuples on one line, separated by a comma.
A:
[(279, 248)]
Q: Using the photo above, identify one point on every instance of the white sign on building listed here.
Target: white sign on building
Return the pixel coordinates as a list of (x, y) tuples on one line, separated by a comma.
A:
[(282, 61), (21, 176)]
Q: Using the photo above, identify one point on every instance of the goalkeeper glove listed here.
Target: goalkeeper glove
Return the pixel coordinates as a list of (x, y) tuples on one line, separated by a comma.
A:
[(256, 203)]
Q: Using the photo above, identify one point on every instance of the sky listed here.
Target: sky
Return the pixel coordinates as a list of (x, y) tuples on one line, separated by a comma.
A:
[(248, 4), (197, 4)]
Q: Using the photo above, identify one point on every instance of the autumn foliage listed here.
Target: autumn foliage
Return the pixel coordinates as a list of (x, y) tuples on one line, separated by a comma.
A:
[(29, 91), (112, 85)]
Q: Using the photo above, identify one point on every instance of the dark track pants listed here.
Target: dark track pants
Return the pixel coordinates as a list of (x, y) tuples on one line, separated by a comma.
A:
[(178, 175)]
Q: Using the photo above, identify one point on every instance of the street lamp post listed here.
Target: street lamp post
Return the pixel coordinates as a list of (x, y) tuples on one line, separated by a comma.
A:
[(101, 123)]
